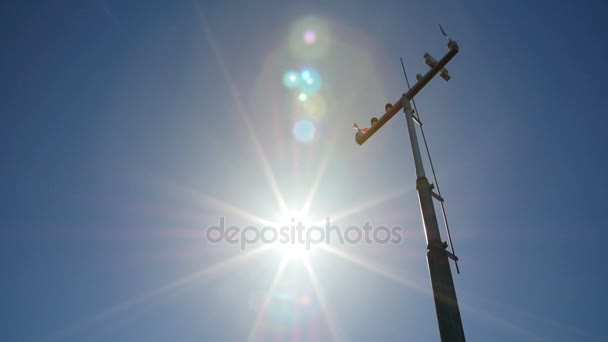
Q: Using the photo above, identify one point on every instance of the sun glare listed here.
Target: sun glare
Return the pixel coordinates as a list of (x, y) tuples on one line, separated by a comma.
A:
[(291, 244), (293, 251)]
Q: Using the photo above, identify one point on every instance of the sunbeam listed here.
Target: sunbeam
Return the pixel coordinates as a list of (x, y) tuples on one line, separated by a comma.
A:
[(241, 109), (368, 204), (267, 298), (320, 173), (378, 269), (329, 318), (375, 268), (220, 204), (150, 295)]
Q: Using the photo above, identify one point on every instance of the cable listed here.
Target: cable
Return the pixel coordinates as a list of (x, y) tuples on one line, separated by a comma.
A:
[(428, 153)]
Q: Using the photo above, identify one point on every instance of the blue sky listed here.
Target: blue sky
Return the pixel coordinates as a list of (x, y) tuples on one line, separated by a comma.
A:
[(128, 128)]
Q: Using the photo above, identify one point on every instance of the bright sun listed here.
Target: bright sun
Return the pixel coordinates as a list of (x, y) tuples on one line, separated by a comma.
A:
[(292, 227), (293, 252)]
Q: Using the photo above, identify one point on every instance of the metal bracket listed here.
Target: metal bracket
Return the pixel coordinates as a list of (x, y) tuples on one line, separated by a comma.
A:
[(452, 256), (434, 194), (415, 117), (437, 245), (444, 246), (437, 197), (455, 258)]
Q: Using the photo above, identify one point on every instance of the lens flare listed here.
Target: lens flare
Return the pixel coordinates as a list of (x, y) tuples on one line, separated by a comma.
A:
[(310, 37), (293, 304), (291, 79), (304, 131), (314, 107), (302, 97), (310, 81)]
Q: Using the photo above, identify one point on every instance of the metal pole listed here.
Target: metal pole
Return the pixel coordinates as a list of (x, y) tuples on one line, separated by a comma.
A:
[(444, 293), (409, 118)]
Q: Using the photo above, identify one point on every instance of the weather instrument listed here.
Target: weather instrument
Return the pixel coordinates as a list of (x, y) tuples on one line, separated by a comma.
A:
[(438, 256)]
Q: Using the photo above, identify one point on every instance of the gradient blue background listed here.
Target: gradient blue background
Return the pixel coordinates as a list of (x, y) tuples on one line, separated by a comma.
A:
[(118, 115)]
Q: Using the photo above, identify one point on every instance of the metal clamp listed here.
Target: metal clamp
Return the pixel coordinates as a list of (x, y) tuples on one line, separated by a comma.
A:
[(437, 245)]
